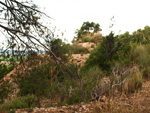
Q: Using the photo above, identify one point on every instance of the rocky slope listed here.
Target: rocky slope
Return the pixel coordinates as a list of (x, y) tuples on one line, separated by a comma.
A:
[(80, 59), (139, 102)]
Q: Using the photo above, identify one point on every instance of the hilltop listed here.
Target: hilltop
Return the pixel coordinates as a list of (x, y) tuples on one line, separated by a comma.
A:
[(111, 75)]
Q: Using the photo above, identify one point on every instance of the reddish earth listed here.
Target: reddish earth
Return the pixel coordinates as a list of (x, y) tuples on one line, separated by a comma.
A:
[(79, 59)]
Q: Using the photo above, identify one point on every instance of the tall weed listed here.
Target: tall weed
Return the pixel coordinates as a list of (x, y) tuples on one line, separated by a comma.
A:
[(134, 81)]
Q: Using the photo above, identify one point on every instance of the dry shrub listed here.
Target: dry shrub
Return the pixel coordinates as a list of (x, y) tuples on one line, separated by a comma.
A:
[(126, 82), (77, 49), (88, 38), (97, 37), (134, 81), (91, 38)]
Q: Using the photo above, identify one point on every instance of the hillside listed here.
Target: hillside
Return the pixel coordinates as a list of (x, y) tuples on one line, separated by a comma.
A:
[(40, 72), (112, 76)]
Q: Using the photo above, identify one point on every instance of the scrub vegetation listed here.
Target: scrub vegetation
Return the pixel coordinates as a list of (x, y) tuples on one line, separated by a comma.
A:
[(29, 78)]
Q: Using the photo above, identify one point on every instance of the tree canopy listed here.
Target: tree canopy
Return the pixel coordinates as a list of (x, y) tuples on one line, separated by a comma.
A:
[(87, 28)]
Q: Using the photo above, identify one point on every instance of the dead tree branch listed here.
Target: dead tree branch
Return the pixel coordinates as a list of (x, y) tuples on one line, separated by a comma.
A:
[(21, 22)]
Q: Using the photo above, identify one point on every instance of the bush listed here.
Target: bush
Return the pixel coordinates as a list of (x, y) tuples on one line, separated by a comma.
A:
[(85, 30), (37, 80), (12, 111), (60, 48), (20, 102), (74, 97), (76, 49), (74, 89), (91, 38), (4, 69), (5, 89), (30, 100), (134, 81), (89, 80), (88, 38), (97, 38), (103, 54), (46, 80), (146, 72), (141, 54)]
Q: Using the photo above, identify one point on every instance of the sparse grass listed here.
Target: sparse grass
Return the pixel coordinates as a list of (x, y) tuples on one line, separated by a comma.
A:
[(20, 102), (88, 38), (126, 104), (77, 49), (91, 38)]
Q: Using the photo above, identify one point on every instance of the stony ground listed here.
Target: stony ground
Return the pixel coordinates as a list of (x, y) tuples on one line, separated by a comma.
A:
[(138, 102)]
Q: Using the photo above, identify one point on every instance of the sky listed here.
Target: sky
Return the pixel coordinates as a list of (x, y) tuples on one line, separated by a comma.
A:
[(69, 15)]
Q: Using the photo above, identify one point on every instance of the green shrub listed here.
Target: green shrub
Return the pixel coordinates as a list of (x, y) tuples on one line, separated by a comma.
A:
[(30, 110), (30, 100), (20, 102), (103, 54), (4, 69), (141, 36), (46, 80), (74, 89), (146, 72), (89, 79), (85, 30), (37, 80), (75, 97), (11, 111), (5, 89), (141, 54), (15, 104), (60, 48)]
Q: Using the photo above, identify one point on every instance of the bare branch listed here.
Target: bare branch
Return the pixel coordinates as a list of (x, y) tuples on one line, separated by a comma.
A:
[(23, 25)]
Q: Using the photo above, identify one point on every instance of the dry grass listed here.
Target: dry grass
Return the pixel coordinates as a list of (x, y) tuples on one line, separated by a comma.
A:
[(77, 49), (91, 38), (134, 81), (137, 102)]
